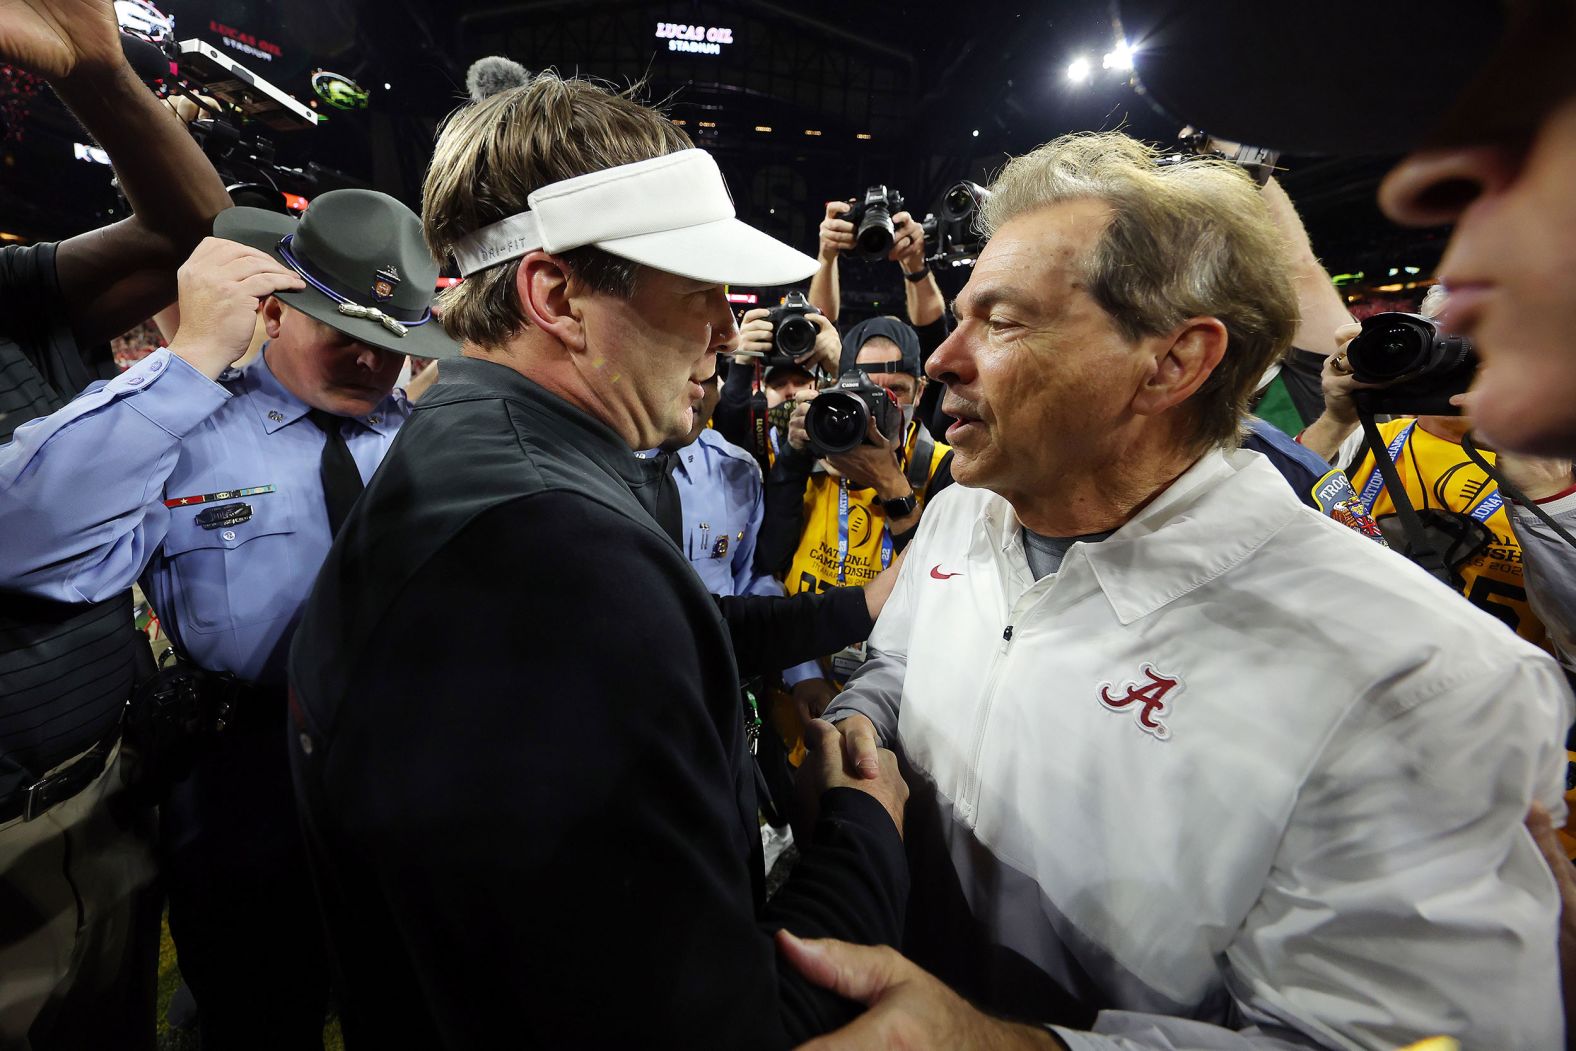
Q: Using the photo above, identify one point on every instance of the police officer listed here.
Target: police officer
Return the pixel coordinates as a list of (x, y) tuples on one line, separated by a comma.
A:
[(79, 941), (721, 504), (221, 491), (719, 490)]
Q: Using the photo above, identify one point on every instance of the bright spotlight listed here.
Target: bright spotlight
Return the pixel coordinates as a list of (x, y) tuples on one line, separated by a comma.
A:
[(1079, 69), (1120, 59)]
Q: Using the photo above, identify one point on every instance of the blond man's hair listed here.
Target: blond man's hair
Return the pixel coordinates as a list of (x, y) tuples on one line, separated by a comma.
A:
[(1190, 239), (492, 154)]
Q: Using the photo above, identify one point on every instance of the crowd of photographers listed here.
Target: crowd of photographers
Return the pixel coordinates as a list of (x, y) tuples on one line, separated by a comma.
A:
[(1070, 703)]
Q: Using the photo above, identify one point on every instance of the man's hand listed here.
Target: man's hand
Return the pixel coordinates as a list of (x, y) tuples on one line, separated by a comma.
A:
[(56, 38), (221, 286), (811, 697), (861, 747), (1339, 419), (874, 464), (1542, 828), (823, 769), (908, 243), (837, 235), (1337, 381), (798, 437), (755, 337), (910, 1010), (422, 380), (187, 110), (827, 354)]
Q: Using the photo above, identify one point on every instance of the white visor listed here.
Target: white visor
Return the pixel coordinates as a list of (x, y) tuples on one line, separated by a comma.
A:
[(671, 212)]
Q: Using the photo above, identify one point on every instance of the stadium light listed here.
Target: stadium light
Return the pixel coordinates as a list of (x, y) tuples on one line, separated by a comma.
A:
[(1120, 59), (1079, 69)]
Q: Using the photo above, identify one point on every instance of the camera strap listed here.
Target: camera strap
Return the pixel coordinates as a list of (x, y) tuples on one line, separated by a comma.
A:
[(842, 535), (758, 419), (1419, 549), (1378, 480)]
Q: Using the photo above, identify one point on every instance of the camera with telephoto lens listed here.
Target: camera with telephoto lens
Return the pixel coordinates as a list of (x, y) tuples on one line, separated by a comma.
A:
[(793, 333), (1420, 367), (872, 219), (957, 233), (839, 418)]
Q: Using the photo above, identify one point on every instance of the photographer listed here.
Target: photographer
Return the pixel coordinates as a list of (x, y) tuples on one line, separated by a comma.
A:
[(220, 491), (1320, 308), (835, 519), (79, 963), (1469, 522), (922, 299), (764, 377)]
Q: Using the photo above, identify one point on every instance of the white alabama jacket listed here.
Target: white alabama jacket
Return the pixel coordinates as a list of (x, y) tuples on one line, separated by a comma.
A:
[(1235, 777)]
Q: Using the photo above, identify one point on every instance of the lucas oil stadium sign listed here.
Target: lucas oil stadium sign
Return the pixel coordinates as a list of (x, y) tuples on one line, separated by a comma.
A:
[(699, 40)]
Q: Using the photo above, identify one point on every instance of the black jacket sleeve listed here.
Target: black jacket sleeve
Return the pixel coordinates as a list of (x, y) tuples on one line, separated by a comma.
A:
[(770, 634), (783, 519), (541, 804)]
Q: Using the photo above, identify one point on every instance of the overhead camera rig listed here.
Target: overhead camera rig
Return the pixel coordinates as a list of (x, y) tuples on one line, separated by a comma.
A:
[(234, 100)]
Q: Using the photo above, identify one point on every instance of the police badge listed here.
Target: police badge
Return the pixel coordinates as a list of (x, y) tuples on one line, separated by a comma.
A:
[(383, 282)]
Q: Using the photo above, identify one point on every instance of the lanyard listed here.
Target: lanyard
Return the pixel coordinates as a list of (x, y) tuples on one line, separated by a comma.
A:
[(1488, 505), (1375, 486), (1481, 513), (842, 534)]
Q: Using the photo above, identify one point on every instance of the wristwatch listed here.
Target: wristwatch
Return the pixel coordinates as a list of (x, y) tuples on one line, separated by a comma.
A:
[(917, 276), (901, 507)]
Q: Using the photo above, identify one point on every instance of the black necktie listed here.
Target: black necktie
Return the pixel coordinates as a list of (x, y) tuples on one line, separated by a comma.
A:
[(667, 509), (341, 476)]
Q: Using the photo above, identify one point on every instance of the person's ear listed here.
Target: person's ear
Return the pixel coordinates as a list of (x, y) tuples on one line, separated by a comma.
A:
[(1183, 360), (546, 288), (273, 312)]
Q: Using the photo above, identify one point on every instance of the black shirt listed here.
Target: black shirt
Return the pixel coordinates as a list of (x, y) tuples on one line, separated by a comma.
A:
[(528, 795)]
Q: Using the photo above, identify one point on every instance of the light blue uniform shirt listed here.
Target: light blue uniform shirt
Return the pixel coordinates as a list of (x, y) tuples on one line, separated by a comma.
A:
[(84, 491), (723, 502)]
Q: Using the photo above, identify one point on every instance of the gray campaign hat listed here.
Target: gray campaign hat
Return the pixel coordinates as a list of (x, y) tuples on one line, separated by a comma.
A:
[(367, 270)]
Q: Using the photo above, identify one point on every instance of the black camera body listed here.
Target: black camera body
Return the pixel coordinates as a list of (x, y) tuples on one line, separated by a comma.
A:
[(793, 333), (957, 234), (1421, 367), (872, 219), (839, 418)]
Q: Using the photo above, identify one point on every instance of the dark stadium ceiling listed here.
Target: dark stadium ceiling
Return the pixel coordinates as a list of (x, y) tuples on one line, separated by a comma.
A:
[(913, 95)]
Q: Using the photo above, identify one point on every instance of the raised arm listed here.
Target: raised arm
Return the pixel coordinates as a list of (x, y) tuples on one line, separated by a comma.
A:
[(921, 295), (1320, 305), (82, 490), (114, 277), (837, 236)]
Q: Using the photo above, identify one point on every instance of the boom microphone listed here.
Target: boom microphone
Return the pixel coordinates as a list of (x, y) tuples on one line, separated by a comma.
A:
[(490, 75)]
